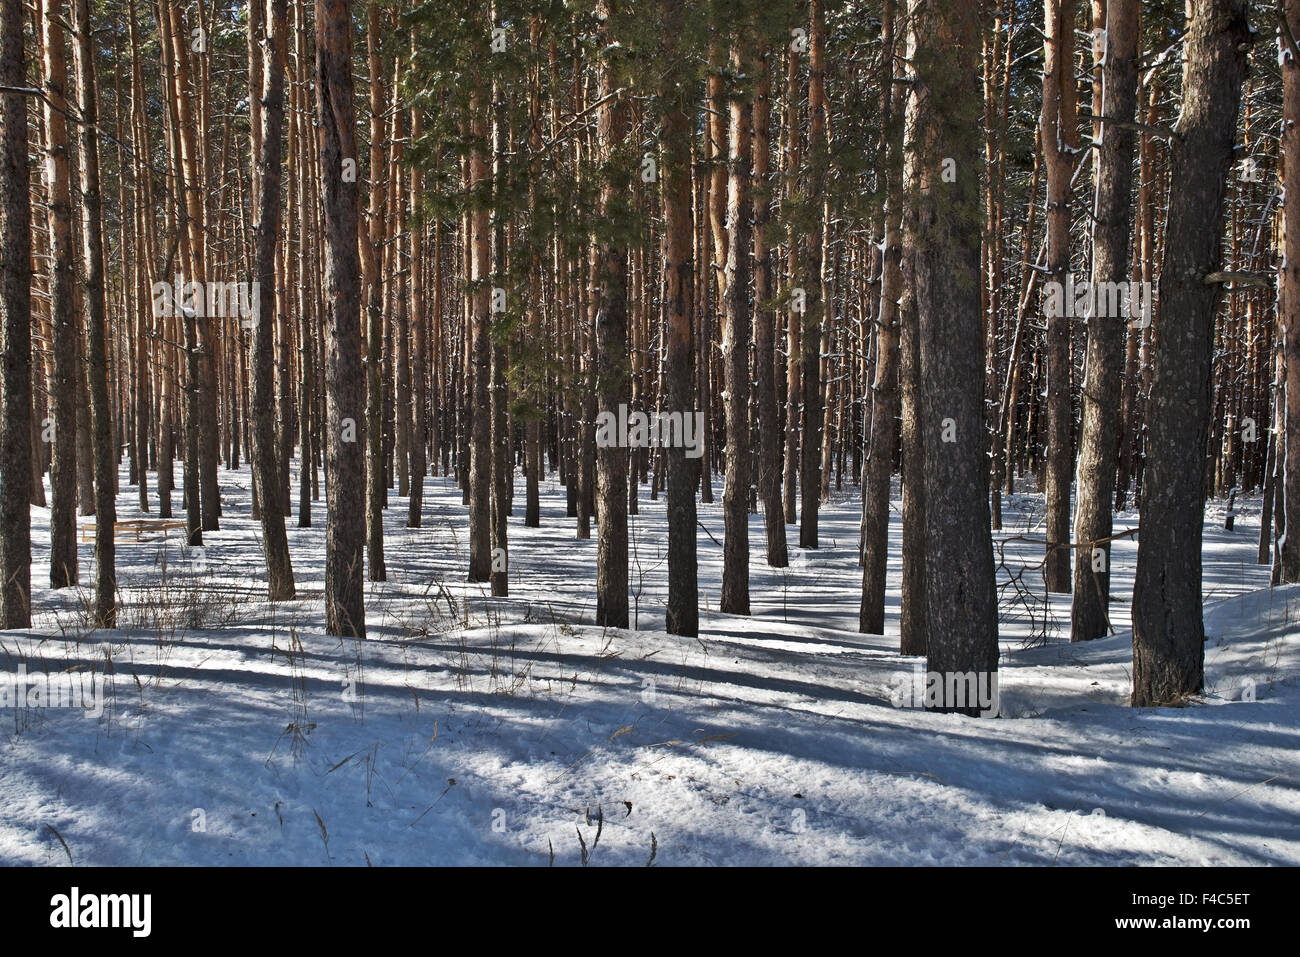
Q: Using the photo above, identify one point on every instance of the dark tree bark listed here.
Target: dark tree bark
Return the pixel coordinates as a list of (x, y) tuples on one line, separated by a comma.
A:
[(96, 333), (371, 259), (1289, 306), (480, 353), (884, 390), (344, 382), (63, 320), (1168, 629), (270, 120), (945, 222), (769, 462), (16, 305), (683, 616), (810, 445), (611, 334), (419, 333)]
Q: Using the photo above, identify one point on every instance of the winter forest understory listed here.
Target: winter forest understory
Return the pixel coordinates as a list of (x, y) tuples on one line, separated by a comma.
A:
[(634, 432)]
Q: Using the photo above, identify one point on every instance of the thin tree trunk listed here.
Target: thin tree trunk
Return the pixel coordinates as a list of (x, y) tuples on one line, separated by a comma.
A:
[(884, 402), (735, 342), (96, 333), (611, 336), (1058, 137), (63, 320), (270, 120), (371, 258), (769, 465), (683, 616), (1102, 384)]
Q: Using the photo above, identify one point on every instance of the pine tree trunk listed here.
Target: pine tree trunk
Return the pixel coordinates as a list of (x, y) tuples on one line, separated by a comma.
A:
[(16, 304), (683, 617), (419, 333), (376, 494), (735, 342), (479, 357), (611, 335), (1058, 137), (1289, 302), (1168, 630), (945, 222), (1104, 363), (270, 120), (814, 315), (96, 333), (344, 384), (63, 320), (884, 390), (769, 426)]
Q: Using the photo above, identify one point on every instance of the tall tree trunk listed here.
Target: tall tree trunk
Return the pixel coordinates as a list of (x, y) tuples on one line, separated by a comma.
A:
[(735, 341), (1168, 630), (1102, 384), (479, 353), (769, 464), (945, 220), (269, 119), (96, 333), (1289, 303), (371, 259), (1058, 136), (884, 390), (63, 319), (419, 331), (344, 385), (16, 305), (611, 333), (810, 345), (683, 616), (498, 388)]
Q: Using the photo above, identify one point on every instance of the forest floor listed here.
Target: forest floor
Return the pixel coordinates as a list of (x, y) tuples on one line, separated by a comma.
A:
[(472, 730)]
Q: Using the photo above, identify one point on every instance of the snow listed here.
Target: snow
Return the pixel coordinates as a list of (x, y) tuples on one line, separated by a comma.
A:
[(472, 730)]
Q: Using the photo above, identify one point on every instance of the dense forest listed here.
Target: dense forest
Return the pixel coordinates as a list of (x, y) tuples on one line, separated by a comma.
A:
[(762, 252)]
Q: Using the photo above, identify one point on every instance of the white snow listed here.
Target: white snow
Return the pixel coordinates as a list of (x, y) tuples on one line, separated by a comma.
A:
[(470, 730)]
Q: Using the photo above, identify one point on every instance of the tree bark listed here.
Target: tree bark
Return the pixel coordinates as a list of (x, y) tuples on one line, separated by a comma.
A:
[(735, 341), (270, 121), (679, 267), (1104, 362), (1289, 304), (945, 221), (1058, 137), (96, 334), (769, 464), (344, 384), (63, 321), (884, 390), (16, 305), (1168, 629), (611, 331)]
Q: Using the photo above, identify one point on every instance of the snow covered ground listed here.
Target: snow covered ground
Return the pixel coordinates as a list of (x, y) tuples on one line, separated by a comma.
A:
[(470, 730)]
